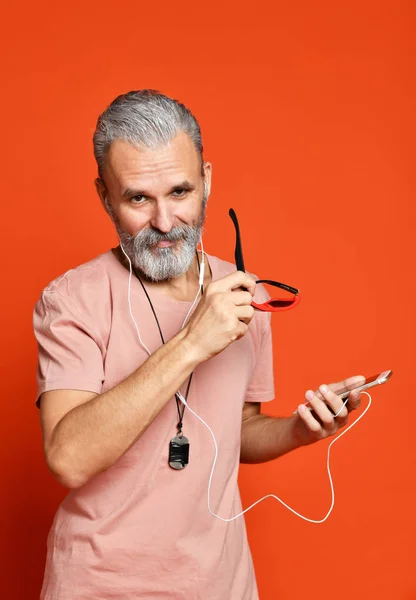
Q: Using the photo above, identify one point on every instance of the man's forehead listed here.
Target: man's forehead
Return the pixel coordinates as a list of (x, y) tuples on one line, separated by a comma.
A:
[(180, 154)]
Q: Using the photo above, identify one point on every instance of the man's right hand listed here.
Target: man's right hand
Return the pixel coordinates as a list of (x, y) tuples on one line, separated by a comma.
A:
[(222, 315)]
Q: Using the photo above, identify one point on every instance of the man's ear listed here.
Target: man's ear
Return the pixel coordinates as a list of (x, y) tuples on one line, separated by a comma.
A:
[(207, 177), (102, 192)]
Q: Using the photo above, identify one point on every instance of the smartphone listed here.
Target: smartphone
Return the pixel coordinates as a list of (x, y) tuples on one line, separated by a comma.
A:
[(368, 383)]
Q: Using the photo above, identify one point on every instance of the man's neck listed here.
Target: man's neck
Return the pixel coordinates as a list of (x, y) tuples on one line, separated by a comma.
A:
[(183, 288)]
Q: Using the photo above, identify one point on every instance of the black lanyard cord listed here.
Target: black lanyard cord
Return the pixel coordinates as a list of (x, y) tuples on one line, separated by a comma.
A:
[(178, 403)]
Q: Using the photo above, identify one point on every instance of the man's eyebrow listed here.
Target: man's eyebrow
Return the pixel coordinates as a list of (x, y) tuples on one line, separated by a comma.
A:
[(183, 185)]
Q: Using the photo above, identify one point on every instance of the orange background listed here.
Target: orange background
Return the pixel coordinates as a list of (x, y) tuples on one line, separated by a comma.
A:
[(307, 112)]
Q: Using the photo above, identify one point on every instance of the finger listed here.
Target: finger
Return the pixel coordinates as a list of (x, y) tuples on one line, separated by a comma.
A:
[(334, 402), (321, 410), (354, 400), (241, 331), (244, 313), (307, 417), (235, 280), (241, 298), (347, 384)]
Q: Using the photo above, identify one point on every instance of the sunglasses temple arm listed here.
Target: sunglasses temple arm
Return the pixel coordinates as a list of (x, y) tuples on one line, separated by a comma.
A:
[(283, 286), (239, 261)]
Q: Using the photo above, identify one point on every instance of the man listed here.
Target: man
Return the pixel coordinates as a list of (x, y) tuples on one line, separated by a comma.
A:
[(132, 526)]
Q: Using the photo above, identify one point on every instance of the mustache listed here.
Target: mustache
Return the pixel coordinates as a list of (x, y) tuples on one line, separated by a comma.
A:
[(151, 237)]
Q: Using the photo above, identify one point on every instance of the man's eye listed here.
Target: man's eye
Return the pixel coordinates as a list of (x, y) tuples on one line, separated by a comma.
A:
[(179, 192), (137, 199)]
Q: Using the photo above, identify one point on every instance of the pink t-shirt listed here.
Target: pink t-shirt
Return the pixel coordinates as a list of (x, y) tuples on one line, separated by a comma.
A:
[(141, 529)]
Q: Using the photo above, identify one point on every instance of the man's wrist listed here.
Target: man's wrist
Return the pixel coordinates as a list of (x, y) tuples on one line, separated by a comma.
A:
[(298, 439), (190, 349)]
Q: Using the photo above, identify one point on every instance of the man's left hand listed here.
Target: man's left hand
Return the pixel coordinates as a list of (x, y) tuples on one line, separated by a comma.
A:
[(310, 427)]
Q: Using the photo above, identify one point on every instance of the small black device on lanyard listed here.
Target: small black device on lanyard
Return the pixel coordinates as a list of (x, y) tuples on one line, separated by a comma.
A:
[(179, 445)]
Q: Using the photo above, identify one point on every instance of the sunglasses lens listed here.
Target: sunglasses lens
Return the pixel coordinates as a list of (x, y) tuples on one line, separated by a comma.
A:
[(280, 303)]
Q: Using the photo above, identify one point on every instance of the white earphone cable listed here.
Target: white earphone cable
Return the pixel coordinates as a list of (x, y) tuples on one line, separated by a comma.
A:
[(272, 495), (182, 399), (201, 281), (129, 302)]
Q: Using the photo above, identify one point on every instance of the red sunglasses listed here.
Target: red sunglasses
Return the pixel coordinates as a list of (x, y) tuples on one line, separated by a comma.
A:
[(274, 304)]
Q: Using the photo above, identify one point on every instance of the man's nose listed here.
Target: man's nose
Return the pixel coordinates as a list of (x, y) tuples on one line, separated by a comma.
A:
[(162, 218)]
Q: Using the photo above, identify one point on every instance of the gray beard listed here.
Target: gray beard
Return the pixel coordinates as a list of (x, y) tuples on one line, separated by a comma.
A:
[(162, 264)]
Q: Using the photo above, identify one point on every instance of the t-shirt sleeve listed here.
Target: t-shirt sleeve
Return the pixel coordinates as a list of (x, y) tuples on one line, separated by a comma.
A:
[(69, 351), (261, 386)]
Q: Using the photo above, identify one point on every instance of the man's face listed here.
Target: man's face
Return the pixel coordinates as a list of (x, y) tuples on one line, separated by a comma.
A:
[(156, 200)]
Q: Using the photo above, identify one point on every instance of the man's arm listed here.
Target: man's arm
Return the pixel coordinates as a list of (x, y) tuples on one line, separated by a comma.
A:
[(89, 437), (84, 434), (264, 438)]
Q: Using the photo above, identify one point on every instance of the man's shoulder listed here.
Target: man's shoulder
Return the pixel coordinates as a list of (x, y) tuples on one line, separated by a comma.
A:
[(220, 266), (89, 272), (90, 276)]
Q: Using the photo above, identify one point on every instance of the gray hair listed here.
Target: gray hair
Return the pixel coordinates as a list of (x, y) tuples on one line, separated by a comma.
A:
[(144, 118)]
